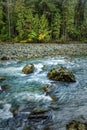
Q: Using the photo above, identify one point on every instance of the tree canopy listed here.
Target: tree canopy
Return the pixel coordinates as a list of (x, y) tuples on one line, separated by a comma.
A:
[(43, 20)]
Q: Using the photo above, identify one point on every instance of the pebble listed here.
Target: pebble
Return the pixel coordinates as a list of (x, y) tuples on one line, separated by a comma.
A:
[(28, 51)]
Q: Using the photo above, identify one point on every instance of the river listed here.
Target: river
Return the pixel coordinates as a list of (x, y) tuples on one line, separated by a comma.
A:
[(27, 90)]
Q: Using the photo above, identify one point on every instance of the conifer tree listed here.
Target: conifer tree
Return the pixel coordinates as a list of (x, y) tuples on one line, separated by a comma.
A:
[(3, 21), (55, 27), (20, 19)]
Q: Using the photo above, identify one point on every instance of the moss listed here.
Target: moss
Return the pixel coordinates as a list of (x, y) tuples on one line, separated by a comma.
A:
[(76, 125), (61, 74), (28, 69)]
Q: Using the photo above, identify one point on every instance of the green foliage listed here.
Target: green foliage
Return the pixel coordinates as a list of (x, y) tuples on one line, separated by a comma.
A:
[(4, 35), (31, 26), (20, 18), (55, 27), (3, 27), (44, 31), (43, 20), (1, 16), (32, 37)]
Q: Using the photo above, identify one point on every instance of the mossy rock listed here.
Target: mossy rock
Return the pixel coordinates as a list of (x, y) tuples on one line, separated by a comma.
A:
[(76, 125), (28, 69), (61, 74)]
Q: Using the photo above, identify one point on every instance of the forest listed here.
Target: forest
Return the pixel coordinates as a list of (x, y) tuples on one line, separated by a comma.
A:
[(35, 21)]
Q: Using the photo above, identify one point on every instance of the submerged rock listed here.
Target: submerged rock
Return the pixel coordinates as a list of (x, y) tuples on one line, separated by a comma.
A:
[(76, 125), (14, 109), (50, 91), (38, 115), (28, 128), (5, 87), (61, 74), (28, 69), (2, 78), (48, 87)]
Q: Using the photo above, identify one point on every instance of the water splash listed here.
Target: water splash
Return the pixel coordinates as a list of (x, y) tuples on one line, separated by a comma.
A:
[(5, 112)]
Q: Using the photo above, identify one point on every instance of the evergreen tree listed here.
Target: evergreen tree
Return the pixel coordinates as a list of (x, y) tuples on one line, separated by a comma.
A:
[(67, 19), (32, 24), (3, 22), (20, 19), (55, 27), (80, 18)]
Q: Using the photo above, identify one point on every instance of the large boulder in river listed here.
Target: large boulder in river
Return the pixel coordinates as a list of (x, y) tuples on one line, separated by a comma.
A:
[(28, 69), (61, 74)]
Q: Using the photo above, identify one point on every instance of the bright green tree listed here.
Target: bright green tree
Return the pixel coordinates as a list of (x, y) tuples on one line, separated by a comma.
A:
[(31, 26), (44, 31)]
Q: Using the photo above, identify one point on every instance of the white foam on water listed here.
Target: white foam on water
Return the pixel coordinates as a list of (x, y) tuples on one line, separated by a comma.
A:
[(40, 78), (6, 63), (55, 61), (38, 67), (0, 88), (12, 71), (46, 81), (5, 113), (32, 96)]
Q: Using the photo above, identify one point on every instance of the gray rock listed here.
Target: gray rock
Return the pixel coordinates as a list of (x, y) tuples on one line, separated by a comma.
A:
[(61, 74)]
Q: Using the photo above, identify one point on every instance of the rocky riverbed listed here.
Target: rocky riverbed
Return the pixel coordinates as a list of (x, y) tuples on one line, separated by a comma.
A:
[(28, 51)]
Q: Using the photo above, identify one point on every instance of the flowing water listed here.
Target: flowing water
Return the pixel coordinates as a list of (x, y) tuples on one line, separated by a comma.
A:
[(71, 98)]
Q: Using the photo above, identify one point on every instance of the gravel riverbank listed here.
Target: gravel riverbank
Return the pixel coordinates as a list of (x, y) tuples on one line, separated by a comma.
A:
[(28, 51)]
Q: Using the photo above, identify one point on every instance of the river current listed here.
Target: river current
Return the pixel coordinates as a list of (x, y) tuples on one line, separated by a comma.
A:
[(71, 98)]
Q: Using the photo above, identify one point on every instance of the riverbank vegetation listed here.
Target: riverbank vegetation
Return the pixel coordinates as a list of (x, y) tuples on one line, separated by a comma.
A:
[(43, 20)]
